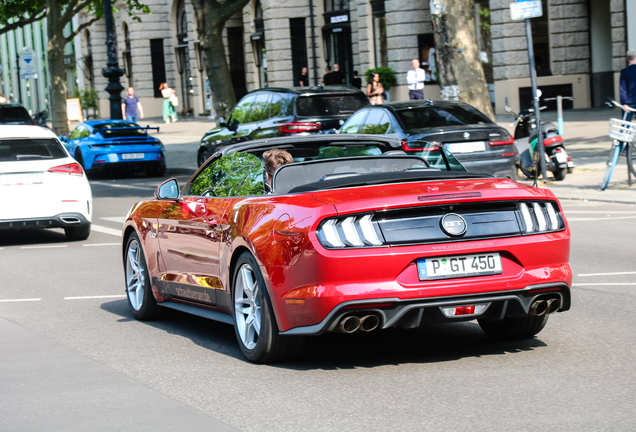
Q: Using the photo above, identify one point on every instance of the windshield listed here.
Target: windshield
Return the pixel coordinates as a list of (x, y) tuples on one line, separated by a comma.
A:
[(330, 105), (15, 115), (30, 149), (116, 130), (432, 116)]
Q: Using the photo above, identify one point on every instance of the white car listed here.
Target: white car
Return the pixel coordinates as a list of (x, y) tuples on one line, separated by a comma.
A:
[(41, 185)]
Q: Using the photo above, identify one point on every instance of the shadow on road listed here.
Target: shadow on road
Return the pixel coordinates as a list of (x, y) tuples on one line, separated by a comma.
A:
[(24, 237), (428, 344)]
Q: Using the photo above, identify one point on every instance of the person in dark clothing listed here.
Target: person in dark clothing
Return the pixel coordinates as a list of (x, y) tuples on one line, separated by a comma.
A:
[(356, 81), (304, 78), (327, 79), (131, 108), (338, 77), (628, 84)]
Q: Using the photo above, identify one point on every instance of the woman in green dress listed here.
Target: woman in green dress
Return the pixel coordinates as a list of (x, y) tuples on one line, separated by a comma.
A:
[(169, 113)]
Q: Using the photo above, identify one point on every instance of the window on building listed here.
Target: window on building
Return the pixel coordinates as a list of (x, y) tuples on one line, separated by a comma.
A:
[(236, 52), (336, 5), (127, 54), (88, 60), (298, 47), (541, 41), (158, 64), (426, 50), (183, 56), (258, 45), (379, 33)]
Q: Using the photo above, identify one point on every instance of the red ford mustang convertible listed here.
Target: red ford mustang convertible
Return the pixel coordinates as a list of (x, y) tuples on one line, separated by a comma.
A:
[(353, 235)]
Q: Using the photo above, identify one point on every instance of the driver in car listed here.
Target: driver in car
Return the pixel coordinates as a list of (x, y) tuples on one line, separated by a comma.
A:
[(273, 159)]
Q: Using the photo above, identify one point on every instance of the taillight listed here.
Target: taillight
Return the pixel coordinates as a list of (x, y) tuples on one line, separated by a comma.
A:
[(71, 169), (552, 140), (294, 128), (511, 141), (406, 147)]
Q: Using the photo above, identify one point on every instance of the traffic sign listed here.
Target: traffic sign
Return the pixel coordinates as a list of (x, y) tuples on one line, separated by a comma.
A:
[(28, 63), (525, 9)]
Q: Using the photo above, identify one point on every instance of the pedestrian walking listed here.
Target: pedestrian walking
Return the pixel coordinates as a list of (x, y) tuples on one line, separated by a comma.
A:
[(628, 84), (169, 97), (415, 79), (304, 78), (338, 77), (328, 77), (131, 108), (356, 81), (375, 90)]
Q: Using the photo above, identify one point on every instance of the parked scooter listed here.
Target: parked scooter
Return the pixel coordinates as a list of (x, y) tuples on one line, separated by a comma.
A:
[(557, 160)]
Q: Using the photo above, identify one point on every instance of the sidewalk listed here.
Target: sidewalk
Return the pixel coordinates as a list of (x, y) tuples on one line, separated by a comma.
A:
[(585, 136)]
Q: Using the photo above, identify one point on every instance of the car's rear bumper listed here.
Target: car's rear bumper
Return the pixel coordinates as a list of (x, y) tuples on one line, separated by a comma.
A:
[(62, 220), (395, 312), (141, 165), (503, 167)]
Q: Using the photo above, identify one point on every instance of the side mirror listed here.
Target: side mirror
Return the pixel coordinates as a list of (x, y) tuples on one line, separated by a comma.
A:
[(62, 138), (168, 190), (233, 126), (507, 109), (222, 122)]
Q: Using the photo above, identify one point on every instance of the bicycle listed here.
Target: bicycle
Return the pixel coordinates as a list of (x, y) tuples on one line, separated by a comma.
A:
[(623, 134)]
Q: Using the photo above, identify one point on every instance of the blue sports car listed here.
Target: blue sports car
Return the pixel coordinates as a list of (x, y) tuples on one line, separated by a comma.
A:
[(100, 145)]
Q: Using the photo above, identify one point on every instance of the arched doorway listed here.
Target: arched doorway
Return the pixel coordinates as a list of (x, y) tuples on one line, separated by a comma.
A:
[(182, 54)]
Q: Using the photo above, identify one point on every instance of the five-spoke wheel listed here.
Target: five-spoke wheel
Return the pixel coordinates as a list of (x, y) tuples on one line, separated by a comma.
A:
[(140, 299), (247, 304)]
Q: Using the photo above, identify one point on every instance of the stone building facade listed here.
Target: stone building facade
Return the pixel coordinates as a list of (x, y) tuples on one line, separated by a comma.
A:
[(580, 47)]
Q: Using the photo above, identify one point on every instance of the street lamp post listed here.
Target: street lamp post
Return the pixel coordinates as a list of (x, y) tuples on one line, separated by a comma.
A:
[(112, 70)]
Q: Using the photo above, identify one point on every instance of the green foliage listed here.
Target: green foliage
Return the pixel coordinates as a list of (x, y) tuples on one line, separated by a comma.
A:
[(387, 76), (88, 98), (12, 9), (234, 174), (484, 13)]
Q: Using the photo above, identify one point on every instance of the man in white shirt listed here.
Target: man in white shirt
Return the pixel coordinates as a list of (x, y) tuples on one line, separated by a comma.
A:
[(415, 79)]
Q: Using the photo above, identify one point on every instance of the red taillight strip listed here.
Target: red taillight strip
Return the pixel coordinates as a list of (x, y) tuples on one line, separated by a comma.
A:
[(552, 140), (71, 169), (296, 127), (406, 147), (511, 141)]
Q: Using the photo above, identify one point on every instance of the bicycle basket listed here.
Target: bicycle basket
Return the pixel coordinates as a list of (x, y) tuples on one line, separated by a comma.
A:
[(622, 130)]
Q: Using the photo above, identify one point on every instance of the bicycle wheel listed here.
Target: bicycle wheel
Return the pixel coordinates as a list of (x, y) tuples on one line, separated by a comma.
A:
[(631, 158), (612, 160)]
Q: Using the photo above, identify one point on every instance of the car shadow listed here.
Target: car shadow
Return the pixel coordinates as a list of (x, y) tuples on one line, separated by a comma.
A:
[(34, 236), (430, 343)]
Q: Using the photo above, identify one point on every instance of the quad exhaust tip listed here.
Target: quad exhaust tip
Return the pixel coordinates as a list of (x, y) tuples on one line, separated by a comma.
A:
[(542, 307), (352, 323)]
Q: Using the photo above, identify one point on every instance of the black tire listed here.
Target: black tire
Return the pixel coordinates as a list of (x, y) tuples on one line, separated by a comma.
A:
[(203, 156), (269, 346), (141, 301), (514, 328), (79, 158), (78, 232), (631, 158), (559, 173)]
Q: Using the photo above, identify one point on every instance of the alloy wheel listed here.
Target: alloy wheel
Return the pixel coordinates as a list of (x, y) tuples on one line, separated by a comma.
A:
[(135, 275), (247, 306)]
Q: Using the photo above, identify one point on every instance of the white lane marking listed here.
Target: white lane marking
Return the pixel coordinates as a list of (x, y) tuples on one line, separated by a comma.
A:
[(43, 247), (598, 219), (106, 230), (605, 284), (606, 274), (122, 186), (601, 212), (19, 300), (96, 297), (101, 244), (118, 219)]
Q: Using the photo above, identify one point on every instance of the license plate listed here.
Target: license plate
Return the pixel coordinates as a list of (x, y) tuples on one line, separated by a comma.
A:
[(459, 266), (561, 157), (20, 179), (127, 156), (467, 147)]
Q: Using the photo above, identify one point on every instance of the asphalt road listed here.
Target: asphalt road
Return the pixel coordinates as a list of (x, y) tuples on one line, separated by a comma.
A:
[(73, 358)]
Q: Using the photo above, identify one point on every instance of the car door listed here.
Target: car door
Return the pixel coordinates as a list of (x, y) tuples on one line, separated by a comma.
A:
[(259, 114), (190, 230)]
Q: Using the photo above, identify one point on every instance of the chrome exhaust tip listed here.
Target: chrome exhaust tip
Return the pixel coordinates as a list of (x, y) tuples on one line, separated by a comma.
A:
[(369, 323), (539, 308), (553, 305), (70, 219), (350, 324)]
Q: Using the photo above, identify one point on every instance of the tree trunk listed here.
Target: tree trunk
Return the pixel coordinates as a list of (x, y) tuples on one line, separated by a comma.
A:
[(56, 68), (461, 73), (212, 17)]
